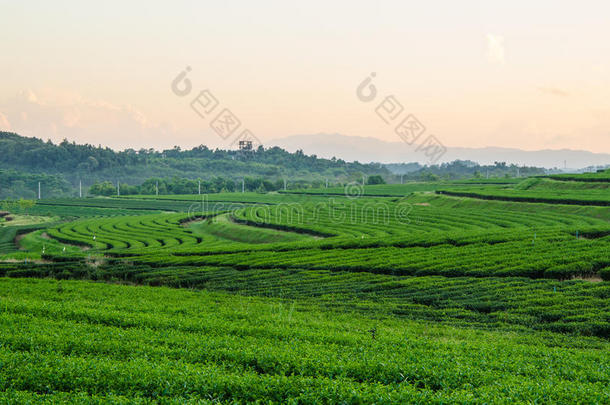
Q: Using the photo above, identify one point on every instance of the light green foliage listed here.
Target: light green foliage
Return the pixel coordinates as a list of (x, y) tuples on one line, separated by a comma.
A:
[(123, 343), (389, 294), (542, 191)]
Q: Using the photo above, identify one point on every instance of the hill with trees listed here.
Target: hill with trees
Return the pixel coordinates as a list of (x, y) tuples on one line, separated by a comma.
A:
[(61, 168), (68, 163)]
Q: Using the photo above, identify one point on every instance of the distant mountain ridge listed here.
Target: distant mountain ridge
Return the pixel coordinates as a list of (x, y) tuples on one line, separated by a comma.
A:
[(368, 149)]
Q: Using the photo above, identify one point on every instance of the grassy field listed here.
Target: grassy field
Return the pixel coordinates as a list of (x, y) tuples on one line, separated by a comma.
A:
[(485, 293), (391, 190)]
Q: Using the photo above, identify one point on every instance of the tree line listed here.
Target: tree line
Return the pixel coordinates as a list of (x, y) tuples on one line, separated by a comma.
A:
[(164, 186), (75, 161)]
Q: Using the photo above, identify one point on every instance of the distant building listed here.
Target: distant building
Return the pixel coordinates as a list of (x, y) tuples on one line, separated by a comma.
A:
[(245, 146), (245, 150)]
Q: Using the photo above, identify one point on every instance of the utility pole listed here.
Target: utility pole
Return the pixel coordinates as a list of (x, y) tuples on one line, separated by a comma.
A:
[(284, 184), (243, 186), (199, 187), (118, 188), (39, 190), (80, 189)]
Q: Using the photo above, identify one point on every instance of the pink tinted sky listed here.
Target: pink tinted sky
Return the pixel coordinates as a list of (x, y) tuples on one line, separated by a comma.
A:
[(531, 75)]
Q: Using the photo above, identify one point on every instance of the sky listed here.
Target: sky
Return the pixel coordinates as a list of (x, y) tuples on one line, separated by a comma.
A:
[(523, 74)]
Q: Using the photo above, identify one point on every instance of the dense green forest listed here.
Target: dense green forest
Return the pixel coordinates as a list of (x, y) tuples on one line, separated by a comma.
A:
[(463, 169), (96, 163), (25, 185), (61, 168)]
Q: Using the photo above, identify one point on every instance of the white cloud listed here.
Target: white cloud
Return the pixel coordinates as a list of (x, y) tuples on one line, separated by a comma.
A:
[(57, 114), (495, 49)]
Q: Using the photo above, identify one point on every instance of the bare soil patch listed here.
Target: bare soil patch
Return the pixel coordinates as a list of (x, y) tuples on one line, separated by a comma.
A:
[(592, 279)]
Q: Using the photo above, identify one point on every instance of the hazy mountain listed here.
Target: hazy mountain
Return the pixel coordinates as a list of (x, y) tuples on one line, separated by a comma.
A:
[(369, 149)]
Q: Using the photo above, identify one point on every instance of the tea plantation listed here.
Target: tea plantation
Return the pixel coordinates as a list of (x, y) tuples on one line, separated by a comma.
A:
[(470, 292)]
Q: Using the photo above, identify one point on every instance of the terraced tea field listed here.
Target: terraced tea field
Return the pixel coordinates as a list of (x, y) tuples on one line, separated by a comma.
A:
[(428, 292), (544, 191), (391, 190), (96, 342)]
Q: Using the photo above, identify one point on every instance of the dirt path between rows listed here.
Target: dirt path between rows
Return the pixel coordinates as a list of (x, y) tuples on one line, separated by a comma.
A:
[(35, 261), (45, 235), (18, 239), (589, 279), (81, 247)]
